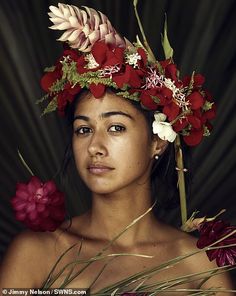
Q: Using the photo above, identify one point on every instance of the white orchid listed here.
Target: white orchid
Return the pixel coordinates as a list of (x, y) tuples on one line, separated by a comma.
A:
[(162, 128)]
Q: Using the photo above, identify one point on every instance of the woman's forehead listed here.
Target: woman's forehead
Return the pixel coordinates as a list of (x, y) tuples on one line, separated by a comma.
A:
[(89, 105)]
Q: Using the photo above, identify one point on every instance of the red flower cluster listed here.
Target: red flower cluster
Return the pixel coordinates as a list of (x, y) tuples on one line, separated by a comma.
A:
[(39, 206), (213, 231), (156, 85), (199, 117)]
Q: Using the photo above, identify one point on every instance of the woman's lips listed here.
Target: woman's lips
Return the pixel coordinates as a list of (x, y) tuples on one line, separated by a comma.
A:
[(99, 169)]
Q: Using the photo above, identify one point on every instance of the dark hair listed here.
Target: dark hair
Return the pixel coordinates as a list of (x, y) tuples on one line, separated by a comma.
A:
[(164, 177)]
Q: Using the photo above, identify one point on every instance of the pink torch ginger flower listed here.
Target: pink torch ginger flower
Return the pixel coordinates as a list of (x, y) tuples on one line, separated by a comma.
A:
[(40, 206), (213, 231)]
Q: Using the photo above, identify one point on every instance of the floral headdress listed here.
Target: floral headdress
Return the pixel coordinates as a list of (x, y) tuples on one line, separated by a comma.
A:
[(97, 57)]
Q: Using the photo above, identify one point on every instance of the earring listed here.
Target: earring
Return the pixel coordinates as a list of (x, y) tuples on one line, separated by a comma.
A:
[(156, 156)]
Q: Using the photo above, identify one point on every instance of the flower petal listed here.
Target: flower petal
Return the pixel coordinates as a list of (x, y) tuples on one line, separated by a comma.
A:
[(97, 89), (196, 100), (194, 138)]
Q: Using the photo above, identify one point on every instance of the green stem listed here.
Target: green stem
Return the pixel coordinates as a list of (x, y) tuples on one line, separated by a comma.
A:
[(98, 256), (153, 59), (24, 163), (181, 179)]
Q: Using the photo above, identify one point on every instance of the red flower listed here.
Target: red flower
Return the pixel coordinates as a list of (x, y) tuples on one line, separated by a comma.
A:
[(49, 78), (198, 80), (180, 124), (40, 206), (172, 110), (130, 76), (210, 114), (81, 63), (171, 72), (162, 95), (73, 54), (147, 99), (170, 69), (66, 96), (97, 89), (211, 232), (194, 138), (196, 100), (142, 63), (107, 55)]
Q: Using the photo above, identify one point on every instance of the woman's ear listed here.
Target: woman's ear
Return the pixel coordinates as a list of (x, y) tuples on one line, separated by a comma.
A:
[(158, 146)]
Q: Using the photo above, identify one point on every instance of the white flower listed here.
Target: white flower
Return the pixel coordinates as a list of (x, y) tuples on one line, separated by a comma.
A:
[(108, 71), (92, 64), (132, 59), (163, 129)]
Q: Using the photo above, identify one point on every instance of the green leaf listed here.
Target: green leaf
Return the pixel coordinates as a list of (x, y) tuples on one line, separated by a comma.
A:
[(135, 2), (191, 83), (138, 43), (50, 69), (206, 131), (42, 99), (127, 95), (168, 50), (52, 106), (57, 86), (207, 106), (155, 99)]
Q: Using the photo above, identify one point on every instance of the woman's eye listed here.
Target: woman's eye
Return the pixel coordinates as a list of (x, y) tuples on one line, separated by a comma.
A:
[(82, 130), (117, 128)]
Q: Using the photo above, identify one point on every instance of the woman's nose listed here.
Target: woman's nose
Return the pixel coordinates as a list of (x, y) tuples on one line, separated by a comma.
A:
[(97, 145)]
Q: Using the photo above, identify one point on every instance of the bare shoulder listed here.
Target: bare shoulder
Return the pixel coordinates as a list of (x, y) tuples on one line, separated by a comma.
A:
[(196, 260), (31, 256), (28, 252)]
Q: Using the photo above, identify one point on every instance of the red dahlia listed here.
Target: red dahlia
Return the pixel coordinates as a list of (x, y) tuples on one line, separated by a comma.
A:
[(213, 231), (40, 206)]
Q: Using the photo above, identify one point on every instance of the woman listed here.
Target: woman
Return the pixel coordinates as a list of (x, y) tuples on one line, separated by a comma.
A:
[(115, 150)]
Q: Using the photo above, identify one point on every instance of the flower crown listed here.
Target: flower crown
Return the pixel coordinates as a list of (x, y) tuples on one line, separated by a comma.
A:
[(97, 57)]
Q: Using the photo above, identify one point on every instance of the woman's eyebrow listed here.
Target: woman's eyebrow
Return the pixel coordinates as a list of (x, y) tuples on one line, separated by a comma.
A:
[(104, 115), (81, 117), (112, 113)]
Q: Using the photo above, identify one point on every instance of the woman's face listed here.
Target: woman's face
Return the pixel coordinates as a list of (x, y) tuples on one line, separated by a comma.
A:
[(112, 147)]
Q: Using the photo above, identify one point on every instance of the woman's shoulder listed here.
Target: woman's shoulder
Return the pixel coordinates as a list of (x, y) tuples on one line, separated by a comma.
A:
[(176, 236), (185, 244), (29, 250), (195, 260)]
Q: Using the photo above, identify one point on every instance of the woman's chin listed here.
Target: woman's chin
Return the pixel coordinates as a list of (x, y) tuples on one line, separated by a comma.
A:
[(101, 189)]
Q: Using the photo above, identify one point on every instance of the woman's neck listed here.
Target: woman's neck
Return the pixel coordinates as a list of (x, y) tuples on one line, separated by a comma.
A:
[(112, 213)]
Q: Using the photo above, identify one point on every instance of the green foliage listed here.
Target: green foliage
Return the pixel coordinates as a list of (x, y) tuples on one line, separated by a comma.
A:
[(190, 86), (206, 132), (50, 69), (127, 95), (41, 100), (52, 106), (168, 50), (207, 106), (155, 99), (57, 86)]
